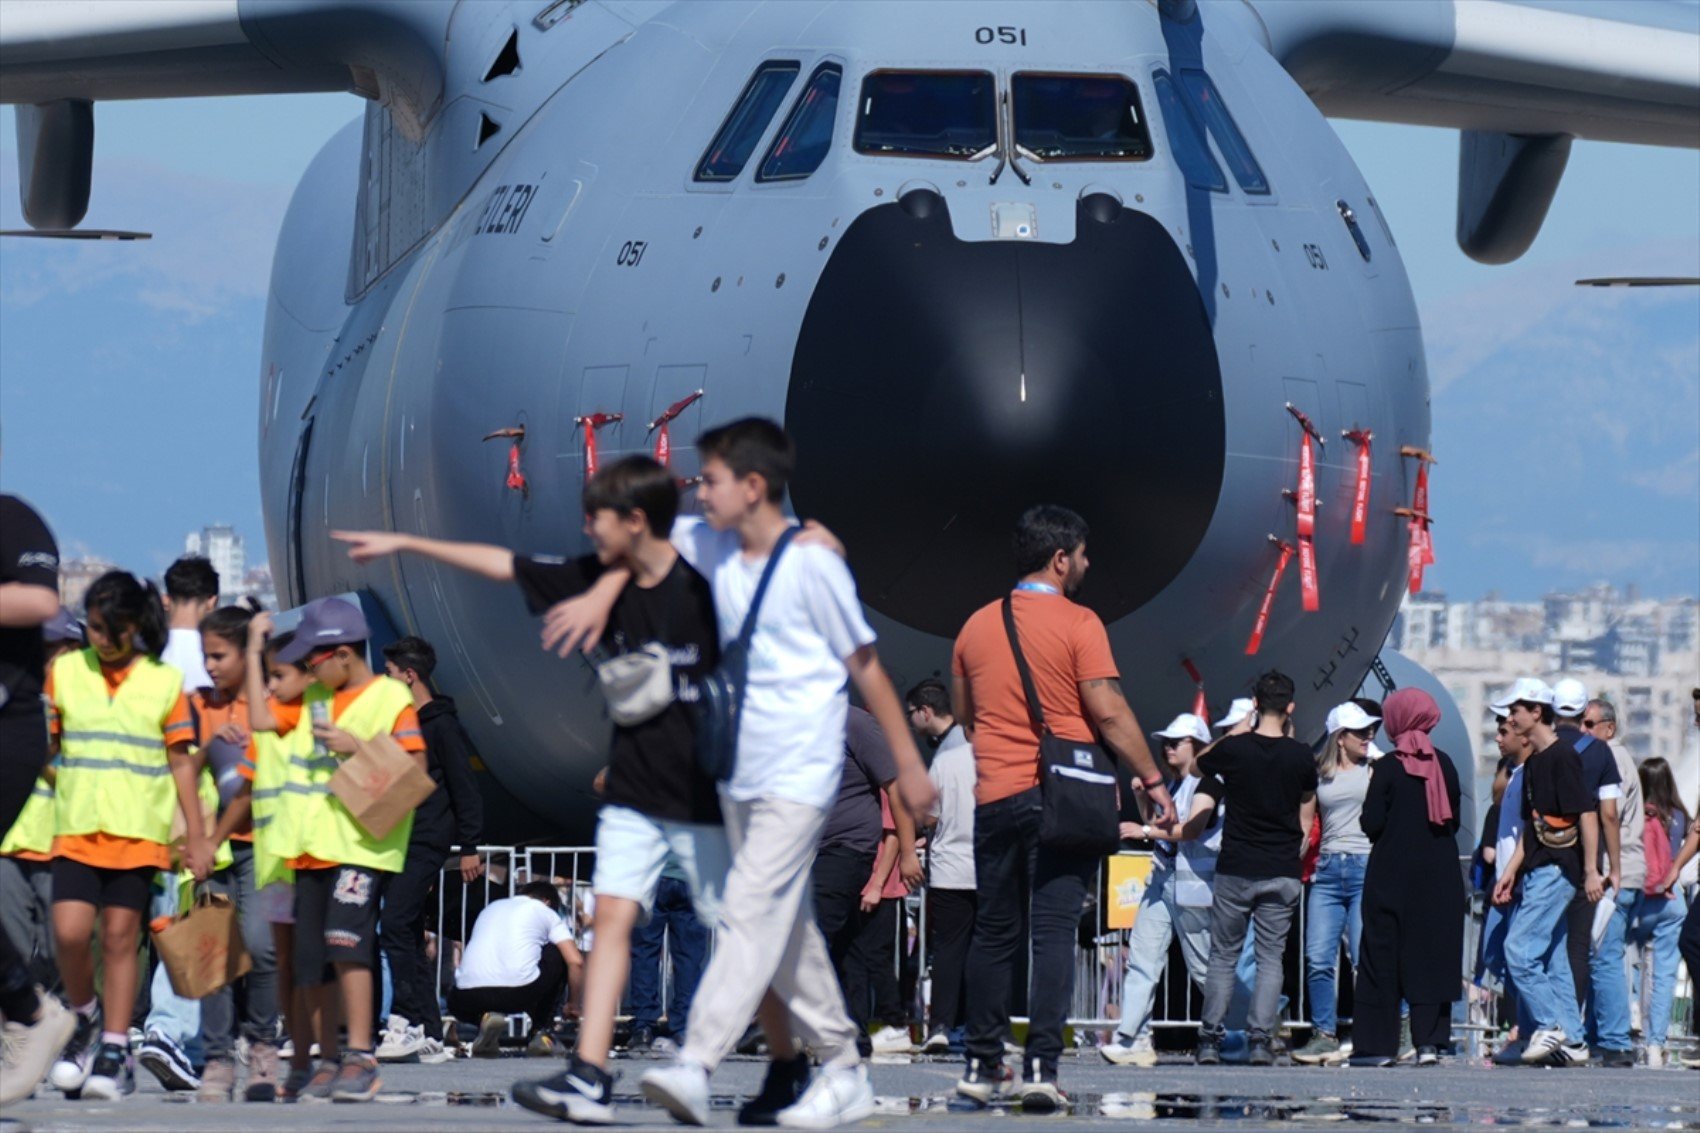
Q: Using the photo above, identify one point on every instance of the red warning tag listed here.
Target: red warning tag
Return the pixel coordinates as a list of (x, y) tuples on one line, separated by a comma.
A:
[(1307, 488), (516, 478), (592, 423), (663, 447), (1308, 592), (663, 438), (1360, 493), (1200, 706), (1255, 642)]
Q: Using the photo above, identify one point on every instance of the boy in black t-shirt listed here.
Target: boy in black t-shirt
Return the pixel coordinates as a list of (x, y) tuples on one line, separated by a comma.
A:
[(660, 808), (1270, 787), (1558, 854)]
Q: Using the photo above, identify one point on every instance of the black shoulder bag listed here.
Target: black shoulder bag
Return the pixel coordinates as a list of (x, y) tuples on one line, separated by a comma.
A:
[(720, 699), (1077, 780)]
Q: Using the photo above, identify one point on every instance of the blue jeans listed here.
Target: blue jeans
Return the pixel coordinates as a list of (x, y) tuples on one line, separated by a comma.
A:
[(674, 920), (1334, 910), (1608, 987), (1494, 928), (176, 1018), (1658, 921), (1535, 952)]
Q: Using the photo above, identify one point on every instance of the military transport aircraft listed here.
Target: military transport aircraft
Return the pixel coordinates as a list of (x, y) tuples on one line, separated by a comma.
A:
[(973, 254)]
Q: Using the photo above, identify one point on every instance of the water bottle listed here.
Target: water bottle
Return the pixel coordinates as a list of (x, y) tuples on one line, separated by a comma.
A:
[(320, 713)]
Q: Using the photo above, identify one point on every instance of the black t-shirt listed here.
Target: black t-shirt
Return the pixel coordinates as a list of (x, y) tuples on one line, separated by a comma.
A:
[(1264, 778), (854, 820), (29, 555), (652, 767), (1554, 784)]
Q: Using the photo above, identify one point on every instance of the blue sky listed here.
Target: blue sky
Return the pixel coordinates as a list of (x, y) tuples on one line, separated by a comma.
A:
[(128, 373)]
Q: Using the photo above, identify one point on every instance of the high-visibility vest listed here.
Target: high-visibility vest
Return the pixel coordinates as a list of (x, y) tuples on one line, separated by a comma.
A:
[(281, 790), (223, 856), (328, 832), (114, 774), (32, 833)]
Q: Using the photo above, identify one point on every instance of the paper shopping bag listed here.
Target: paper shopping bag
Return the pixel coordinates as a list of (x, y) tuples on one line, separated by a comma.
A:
[(202, 950), (380, 784)]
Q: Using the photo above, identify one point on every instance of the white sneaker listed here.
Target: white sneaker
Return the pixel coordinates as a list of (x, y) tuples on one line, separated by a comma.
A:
[(1655, 1057), (681, 1089), (1570, 1054), (77, 1058), (434, 1053), (32, 1048), (893, 1040), (400, 1042), (838, 1096), (1542, 1045), (1139, 1052)]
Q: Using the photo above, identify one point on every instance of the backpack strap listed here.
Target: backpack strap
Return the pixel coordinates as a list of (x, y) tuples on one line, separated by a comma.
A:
[(748, 631), (1581, 744), (1033, 707)]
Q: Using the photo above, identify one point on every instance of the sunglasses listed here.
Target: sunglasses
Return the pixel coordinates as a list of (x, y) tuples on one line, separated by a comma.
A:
[(1593, 723), (314, 660), (1362, 733)]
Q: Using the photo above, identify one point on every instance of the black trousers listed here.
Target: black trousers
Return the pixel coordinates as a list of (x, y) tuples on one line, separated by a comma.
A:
[(950, 926), (1015, 874), (23, 753), (1688, 944), (1375, 1027), (401, 934), (869, 975), (1579, 940), (837, 879), (540, 999)]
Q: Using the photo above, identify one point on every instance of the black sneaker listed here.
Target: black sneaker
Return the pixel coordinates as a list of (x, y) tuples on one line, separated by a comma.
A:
[(781, 1089), (1261, 1053), (582, 1094), (1209, 1050), (112, 1076), (1616, 1059), (642, 1039)]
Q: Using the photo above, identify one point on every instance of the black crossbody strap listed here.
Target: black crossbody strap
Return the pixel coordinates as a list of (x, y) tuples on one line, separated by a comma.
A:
[(748, 632), (1033, 707)]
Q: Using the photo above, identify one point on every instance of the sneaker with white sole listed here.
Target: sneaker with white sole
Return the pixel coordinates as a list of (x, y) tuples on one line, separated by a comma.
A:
[(1039, 1092), (893, 1040), (582, 1094), (165, 1060), (1570, 1054), (401, 1041), (1655, 1057), (680, 1088), (112, 1075), (357, 1080), (434, 1053), (1122, 1051), (75, 1061), (839, 1095), (985, 1082), (1541, 1045), (492, 1029), (31, 1049), (937, 1043)]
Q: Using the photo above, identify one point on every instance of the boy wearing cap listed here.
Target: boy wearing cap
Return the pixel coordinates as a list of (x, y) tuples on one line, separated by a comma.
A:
[(1557, 856), (339, 879), (1177, 898)]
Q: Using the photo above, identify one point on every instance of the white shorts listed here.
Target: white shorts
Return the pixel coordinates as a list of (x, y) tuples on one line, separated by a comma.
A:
[(277, 902), (633, 850)]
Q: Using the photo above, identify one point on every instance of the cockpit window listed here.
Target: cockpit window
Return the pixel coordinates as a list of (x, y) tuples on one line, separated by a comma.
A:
[(1079, 118), (1186, 138), (807, 135), (743, 128), (1229, 140), (928, 114)]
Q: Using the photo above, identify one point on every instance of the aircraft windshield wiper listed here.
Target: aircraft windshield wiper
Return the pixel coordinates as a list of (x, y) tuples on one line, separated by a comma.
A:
[(981, 155), (1008, 145)]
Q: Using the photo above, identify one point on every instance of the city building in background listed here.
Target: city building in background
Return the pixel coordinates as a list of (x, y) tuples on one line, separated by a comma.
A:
[(224, 548), (76, 575)]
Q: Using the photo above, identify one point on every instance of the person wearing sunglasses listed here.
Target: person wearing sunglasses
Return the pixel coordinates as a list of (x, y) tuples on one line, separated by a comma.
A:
[(1334, 907)]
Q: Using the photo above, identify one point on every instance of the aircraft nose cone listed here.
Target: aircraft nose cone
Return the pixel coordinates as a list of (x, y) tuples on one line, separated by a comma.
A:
[(940, 388)]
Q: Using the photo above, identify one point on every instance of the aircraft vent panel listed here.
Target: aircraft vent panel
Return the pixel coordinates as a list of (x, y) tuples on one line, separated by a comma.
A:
[(488, 128), (507, 59)]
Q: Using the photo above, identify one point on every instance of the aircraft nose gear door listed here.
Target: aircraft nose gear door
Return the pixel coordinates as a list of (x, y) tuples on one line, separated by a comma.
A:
[(297, 580)]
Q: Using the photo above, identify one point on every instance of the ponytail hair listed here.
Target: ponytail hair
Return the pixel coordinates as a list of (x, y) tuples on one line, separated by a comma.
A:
[(230, 623), (129, 606)]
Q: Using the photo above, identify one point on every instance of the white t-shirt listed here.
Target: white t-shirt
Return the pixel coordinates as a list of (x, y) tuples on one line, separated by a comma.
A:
[(791, 738), (1510, 830), (1194, 862), (950, 849), (508, 939), (183, 651)]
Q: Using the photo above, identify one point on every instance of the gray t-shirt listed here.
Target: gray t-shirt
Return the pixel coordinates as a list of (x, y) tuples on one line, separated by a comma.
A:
[(1340, 801), (854, 820)]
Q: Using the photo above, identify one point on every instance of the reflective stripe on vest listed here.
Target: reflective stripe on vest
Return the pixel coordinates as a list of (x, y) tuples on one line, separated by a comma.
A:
[(281, 764), (329, 832), (114, 776), (33, 830)]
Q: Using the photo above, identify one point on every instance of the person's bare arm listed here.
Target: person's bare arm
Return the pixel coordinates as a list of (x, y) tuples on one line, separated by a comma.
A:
[(198, 849), (1614, 843), (1307, 817), (1108, 710), (1593, 884), (260, 717), (962, 705), (1508, 876), (24, 604), (484, 559), (908, 861), (235, 815), (577, 623), (1197, 822), (913, 789), (1690, 847), (884, 860)]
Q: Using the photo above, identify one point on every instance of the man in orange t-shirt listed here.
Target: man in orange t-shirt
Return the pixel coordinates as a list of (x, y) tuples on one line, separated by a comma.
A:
[(1079, 691)]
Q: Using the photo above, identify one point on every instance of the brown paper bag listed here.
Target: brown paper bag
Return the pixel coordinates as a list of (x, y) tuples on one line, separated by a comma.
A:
[(202, 950), (380, 784)]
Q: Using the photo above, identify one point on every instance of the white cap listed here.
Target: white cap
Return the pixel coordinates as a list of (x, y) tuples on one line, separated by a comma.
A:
[(1351, 717), (1530, 690), (1569, 697), (1237, 711), (1186, 726)]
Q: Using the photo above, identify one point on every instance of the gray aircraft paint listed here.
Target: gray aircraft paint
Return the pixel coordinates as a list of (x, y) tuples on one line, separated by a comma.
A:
[(529, 247)]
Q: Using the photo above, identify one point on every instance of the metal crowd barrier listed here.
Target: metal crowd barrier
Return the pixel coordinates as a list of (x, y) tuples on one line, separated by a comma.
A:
[(1100, 963)]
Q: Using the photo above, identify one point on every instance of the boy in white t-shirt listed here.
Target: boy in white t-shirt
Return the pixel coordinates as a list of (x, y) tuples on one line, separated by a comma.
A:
[(520, 959), (810, 635)]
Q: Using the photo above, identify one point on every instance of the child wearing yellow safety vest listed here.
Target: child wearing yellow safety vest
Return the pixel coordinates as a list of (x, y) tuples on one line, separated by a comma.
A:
[(124, 736), (340, 869)]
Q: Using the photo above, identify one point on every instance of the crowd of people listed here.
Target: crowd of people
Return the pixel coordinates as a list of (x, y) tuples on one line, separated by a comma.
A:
[(169, 747)]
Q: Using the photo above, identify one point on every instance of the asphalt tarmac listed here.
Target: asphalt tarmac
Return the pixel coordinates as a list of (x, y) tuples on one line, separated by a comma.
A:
[(472, 1095)]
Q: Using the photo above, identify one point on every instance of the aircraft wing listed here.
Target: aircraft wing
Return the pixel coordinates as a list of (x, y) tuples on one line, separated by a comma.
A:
[(1610, 70)]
